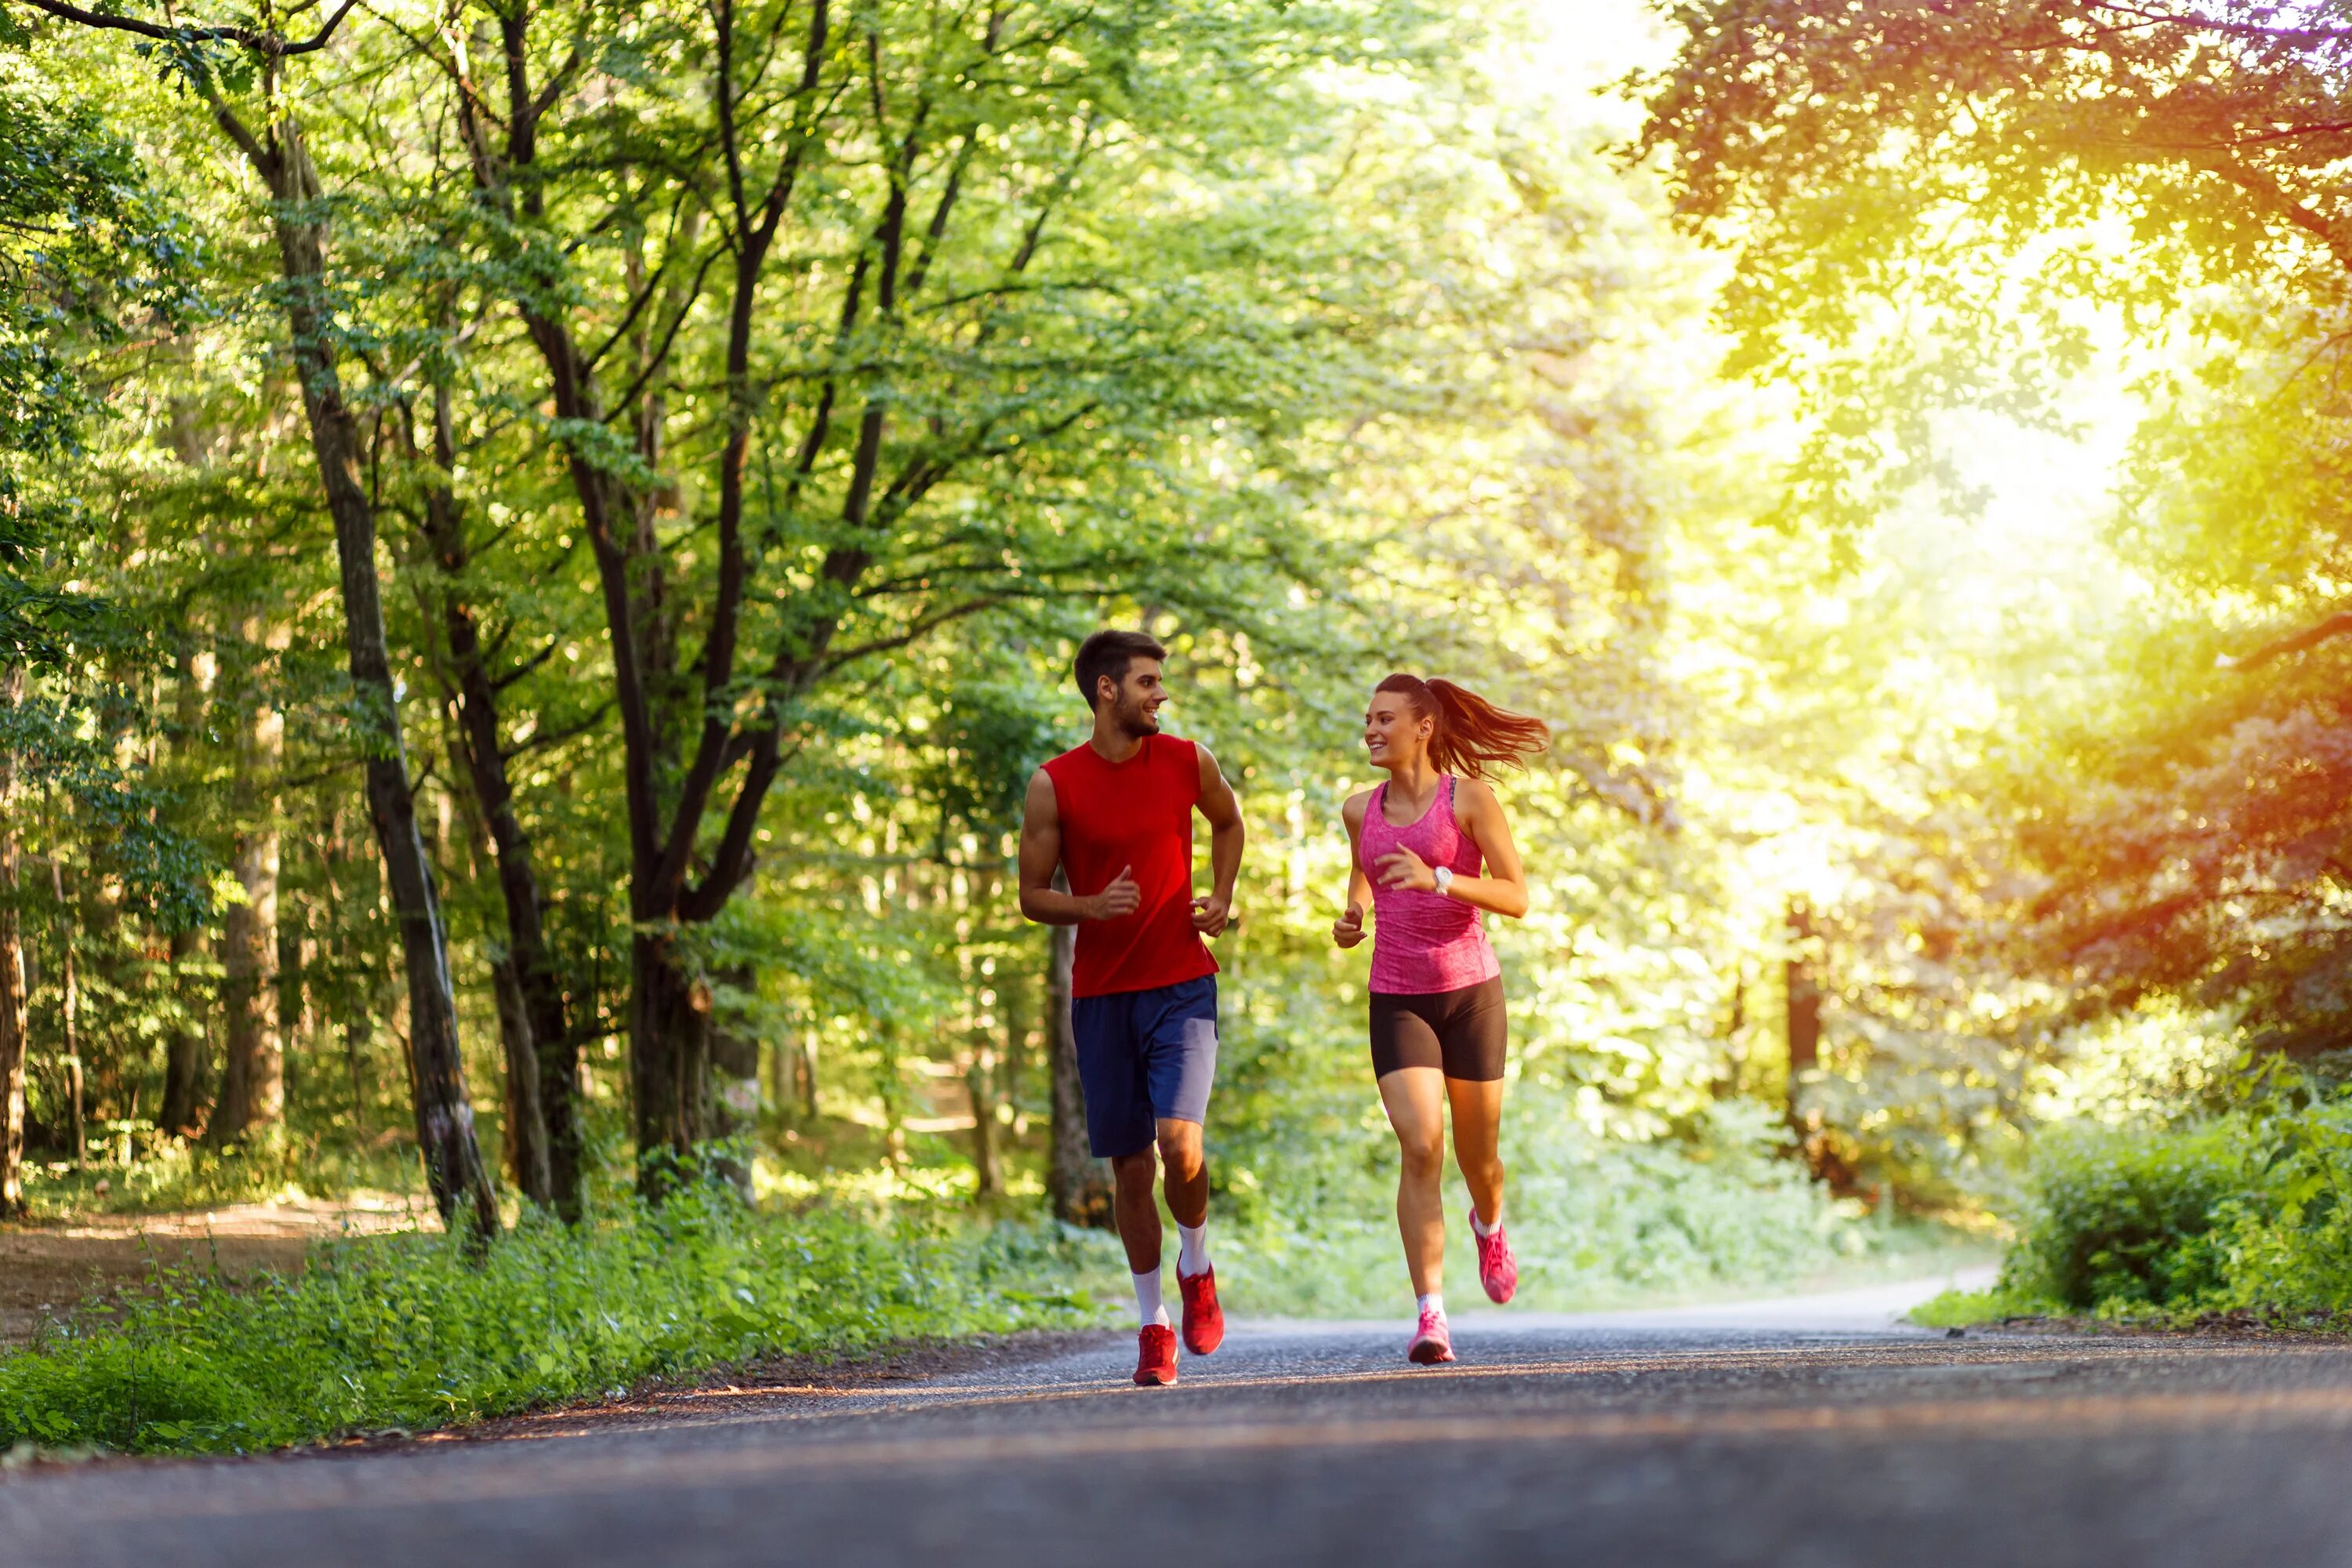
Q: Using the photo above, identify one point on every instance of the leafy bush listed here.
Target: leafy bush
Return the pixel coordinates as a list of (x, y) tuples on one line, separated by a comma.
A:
[(2288, 1246), (2251, 1210), (2119, 1218), (405, 1331)]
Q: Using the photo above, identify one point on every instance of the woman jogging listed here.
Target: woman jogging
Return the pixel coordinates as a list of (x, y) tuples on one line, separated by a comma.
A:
[(1432, 850)]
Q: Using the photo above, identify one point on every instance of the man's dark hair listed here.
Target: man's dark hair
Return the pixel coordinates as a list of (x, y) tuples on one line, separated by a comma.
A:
[(1110, 653)]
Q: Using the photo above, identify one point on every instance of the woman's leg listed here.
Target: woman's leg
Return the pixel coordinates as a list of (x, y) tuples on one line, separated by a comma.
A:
[(1477, 1136), (1415, 1099)]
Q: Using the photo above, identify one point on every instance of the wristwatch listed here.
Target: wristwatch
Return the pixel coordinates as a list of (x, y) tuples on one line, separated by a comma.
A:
[(1444, 875)]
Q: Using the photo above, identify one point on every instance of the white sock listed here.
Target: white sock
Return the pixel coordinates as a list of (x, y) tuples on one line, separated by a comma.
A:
[(1191, 1249), (1432, 1302), (1148, 1309), (1481, 1227)]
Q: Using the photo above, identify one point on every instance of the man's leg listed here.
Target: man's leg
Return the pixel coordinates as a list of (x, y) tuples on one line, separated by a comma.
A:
[(1134, 1208), (1184, 1062), (1139, 1230), (1187, 1178), (1111, 1072)]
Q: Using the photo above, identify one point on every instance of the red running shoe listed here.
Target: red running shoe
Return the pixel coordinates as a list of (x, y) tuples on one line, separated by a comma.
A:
[(1205, 1320), (1497, 1269), (1432, 1341), (1155, 1364)]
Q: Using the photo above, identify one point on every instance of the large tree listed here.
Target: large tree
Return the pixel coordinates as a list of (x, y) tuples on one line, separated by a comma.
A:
[(1940, 204), (852, 324), (220, 64)]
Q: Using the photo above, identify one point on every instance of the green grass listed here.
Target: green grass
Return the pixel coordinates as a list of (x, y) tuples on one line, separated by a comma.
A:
[(173, 1175), (407, 1333), (1966, 1309)]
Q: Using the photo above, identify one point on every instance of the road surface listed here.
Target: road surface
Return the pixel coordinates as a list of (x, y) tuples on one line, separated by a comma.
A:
[(1813, 1432)]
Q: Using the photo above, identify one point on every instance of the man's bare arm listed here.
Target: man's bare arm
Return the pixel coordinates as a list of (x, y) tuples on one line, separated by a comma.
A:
[(1224, 812), (1041, 856)]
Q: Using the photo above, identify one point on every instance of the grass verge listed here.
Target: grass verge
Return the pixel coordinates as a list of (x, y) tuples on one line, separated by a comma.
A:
[(403, 1331)]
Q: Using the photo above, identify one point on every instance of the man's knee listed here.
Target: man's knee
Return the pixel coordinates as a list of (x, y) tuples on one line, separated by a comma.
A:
[(1180, 1148), (1131, 1172)]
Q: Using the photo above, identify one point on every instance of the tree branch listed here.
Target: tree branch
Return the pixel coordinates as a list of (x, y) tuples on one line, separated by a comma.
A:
[(2336, 626), (2304, 36), (259, 42)]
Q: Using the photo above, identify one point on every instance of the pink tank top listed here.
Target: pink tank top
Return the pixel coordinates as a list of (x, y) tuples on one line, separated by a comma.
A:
[(1423, 941)]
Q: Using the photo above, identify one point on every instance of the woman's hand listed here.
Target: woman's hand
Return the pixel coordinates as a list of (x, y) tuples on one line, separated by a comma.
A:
[(1401, 868), (1349, 929)]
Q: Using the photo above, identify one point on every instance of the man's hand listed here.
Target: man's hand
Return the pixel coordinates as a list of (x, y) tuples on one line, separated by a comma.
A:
[(1121, 898), (1349, 929), (1401, 868), (1211, 914)]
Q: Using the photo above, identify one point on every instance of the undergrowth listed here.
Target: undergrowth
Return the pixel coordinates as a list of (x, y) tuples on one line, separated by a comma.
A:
[(2246, 1215), (173, 1174), (1595, 1222), (405, 1332)]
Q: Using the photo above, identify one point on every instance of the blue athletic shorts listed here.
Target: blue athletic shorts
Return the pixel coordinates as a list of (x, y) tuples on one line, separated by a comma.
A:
[(1144, 1055)]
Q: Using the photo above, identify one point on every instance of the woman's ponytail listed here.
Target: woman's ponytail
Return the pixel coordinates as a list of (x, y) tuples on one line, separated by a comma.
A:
[(1470, 736)]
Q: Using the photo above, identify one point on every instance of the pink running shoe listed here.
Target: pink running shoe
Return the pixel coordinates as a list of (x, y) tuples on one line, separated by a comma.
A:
[(1432, 1341), (1497, 1269)]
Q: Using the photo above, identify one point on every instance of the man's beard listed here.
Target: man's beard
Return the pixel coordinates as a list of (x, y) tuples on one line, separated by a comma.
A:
[(1135, 719)]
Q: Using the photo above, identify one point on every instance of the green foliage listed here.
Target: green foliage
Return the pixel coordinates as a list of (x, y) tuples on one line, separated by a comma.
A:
[(175, 1175), (2248, 1210), (2120, 1219), (1963, 1309), (1305, 1168), (407, 1332), (1594, 1221)]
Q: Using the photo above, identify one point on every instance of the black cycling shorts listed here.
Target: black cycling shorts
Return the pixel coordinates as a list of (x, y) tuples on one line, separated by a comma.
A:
[(1465, 1032)]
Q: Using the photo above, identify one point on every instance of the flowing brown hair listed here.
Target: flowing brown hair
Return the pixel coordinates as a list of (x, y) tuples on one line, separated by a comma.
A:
[(1470, 735)]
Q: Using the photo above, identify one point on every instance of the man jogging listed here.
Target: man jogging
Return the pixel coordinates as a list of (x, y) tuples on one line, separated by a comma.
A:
[(1115, 815)]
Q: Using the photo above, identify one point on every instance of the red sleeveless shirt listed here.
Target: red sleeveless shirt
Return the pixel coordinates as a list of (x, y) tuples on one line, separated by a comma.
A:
[(1137, 814)]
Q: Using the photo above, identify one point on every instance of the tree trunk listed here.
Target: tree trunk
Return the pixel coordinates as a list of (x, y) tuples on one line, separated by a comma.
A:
[(803, 1085), (481, 754), (525, 1122), (184, 1049), (293, 1021), (69, 1011), (987, 1163), (454, 1168), (183, 1052), (15, 1022), (734, 1075), (1077, 1182), (662, 1053), (1804, 1004), (253, 1066)]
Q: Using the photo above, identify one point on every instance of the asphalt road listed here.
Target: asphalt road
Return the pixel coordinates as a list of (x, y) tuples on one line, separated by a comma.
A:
[(1801, 1434)]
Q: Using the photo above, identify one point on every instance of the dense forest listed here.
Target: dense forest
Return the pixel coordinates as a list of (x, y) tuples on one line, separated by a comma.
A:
[(539, 545)]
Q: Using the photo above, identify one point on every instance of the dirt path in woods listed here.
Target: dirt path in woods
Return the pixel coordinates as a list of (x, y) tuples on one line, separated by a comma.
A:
[(55, 1267)]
